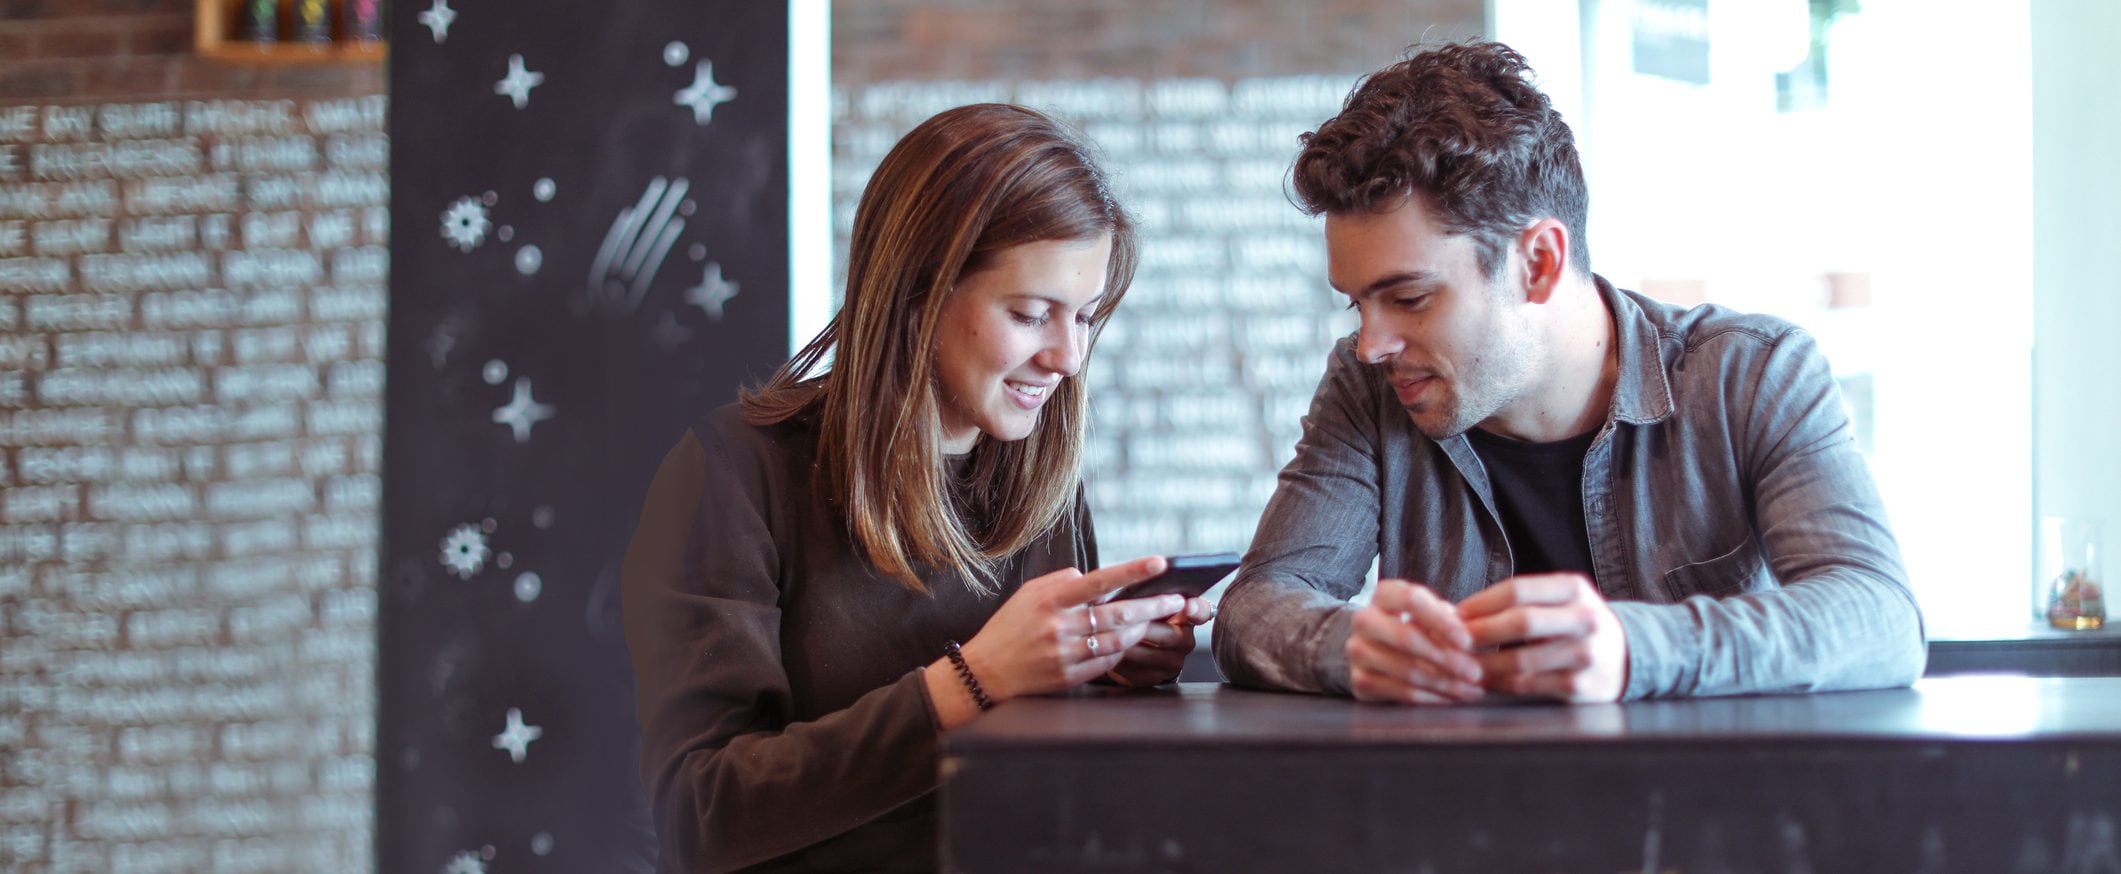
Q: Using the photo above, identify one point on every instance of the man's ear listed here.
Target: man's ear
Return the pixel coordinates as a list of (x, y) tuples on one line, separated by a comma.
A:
[(1545, 247)]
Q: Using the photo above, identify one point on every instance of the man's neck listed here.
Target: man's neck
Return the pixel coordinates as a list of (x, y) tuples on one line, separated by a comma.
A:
[(1575, 393)]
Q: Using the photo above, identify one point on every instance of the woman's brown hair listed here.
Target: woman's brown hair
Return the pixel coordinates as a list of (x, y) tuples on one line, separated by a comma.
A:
[(954, 193)]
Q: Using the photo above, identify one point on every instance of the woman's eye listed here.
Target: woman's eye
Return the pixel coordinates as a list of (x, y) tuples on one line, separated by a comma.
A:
[(1023, 318)]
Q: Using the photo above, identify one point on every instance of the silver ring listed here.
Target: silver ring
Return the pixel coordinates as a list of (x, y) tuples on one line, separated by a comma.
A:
[(1093, 618), (1091, 640)]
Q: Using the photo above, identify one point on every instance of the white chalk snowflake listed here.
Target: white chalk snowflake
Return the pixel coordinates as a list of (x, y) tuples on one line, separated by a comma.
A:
[(464, 551), (464, 223), (466, 862)]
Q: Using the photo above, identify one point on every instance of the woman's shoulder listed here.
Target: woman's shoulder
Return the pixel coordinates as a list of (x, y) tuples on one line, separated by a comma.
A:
[(729, 430)]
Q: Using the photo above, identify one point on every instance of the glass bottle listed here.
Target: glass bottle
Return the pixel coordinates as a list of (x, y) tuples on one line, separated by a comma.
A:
[(2071, 573)]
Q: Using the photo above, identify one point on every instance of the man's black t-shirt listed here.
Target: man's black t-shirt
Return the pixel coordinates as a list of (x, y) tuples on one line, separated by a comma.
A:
[(1539, 493)]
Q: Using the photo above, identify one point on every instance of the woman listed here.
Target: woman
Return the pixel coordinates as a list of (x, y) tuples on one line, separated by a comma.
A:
[(807, 558)]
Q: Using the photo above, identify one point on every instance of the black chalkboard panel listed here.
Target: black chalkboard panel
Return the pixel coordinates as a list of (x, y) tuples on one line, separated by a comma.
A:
[(589, 248)]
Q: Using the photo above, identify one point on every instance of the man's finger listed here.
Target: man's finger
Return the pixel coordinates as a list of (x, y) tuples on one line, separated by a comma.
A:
[(1395, 595), (1568, 654), (1523, 590), (1392, 632), (1528, 623), (1410, 670), (1416, 604)]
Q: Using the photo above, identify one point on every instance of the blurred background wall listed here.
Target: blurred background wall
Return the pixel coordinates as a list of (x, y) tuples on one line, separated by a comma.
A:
[(192, 272)]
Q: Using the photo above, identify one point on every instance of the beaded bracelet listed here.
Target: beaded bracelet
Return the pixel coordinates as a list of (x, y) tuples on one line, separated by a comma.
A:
[(957, 658)]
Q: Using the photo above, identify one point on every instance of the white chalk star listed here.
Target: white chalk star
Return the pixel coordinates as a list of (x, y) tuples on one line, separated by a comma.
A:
[(522, 412), (516, 737), (703, 93), (437, 18), (518, 83), (712, 292)]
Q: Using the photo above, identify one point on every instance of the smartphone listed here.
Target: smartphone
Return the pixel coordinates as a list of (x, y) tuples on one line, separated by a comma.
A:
[(1188, 575)]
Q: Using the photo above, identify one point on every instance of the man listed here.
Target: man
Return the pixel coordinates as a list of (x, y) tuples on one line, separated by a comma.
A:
[(1572, 491)]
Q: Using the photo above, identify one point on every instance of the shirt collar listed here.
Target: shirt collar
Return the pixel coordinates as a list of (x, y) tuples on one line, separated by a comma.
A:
[(1642, 394)]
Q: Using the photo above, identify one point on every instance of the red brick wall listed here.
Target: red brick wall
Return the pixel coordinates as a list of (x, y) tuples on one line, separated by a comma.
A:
[(880, 40), (192, 273)]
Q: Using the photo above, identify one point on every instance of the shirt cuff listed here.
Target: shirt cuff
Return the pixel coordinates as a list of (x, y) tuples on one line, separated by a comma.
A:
[(1660, 637)]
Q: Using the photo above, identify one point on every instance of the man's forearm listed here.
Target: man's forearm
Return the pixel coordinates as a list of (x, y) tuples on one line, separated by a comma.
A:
[(1842, 630), (1280, 635)]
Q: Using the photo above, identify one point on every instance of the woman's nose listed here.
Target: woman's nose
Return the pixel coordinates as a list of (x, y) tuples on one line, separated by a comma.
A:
[(1064, 355)]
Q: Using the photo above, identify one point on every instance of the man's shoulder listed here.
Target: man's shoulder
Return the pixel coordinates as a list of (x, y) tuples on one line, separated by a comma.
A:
[(1709, 326)]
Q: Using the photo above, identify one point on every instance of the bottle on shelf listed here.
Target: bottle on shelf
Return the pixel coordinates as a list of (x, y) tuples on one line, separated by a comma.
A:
[(258, 21), (363, 21), (311, 22)]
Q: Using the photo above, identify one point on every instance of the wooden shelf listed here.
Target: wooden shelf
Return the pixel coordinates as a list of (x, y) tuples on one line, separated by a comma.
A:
[(212, 41)]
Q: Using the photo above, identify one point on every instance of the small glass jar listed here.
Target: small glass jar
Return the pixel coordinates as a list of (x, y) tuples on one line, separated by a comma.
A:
[(2071, 573)]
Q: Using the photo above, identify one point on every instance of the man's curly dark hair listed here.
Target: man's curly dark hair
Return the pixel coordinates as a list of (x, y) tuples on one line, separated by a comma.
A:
[(1463, 126)]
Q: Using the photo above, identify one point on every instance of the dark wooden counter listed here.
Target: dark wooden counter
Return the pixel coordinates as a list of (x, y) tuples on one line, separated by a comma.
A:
[(1956, 774)]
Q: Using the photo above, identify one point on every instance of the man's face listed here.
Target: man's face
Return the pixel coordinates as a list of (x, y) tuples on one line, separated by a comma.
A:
[(1456, 346)]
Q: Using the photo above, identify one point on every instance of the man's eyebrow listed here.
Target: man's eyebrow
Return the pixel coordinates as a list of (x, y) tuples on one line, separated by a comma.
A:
[(1398, 278)]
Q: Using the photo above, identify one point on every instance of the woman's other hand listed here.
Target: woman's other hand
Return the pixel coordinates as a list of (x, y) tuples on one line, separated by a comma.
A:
[(1161, 654)]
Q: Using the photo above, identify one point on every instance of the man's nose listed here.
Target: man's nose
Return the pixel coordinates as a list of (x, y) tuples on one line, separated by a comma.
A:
[(1374, 344)]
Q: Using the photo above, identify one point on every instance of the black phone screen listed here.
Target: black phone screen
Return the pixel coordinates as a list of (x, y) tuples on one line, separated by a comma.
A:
[(1188, 575)]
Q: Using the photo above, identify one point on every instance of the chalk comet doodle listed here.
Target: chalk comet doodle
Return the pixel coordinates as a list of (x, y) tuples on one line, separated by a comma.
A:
[(634, 248)]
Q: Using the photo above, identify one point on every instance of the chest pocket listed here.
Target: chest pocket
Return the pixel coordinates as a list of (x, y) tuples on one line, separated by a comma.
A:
[(1735, 572)]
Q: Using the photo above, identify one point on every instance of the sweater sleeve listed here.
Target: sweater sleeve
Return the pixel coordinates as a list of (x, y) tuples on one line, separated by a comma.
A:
[(733, 780)]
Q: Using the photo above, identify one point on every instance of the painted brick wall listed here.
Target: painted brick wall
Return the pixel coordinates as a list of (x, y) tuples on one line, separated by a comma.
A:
[(192, 271)]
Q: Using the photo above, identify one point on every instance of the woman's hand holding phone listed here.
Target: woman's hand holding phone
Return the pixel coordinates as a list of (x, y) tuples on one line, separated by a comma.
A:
[(1161, 653), (1055, 633)]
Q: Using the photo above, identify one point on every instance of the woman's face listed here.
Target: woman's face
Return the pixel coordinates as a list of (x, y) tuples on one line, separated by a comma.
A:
[(1011, 332)]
